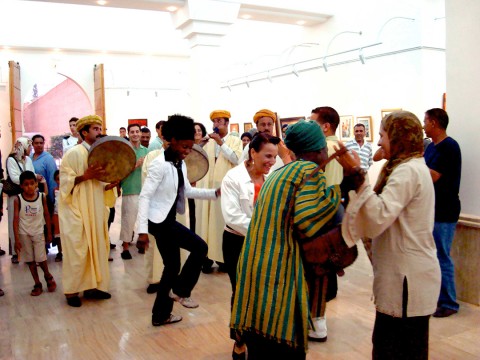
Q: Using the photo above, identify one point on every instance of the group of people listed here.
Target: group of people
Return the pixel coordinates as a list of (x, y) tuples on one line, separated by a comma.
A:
[(258, 202)]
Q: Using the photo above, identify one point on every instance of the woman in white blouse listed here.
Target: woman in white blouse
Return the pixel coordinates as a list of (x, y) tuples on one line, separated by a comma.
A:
[(240, 188), (398, 213)]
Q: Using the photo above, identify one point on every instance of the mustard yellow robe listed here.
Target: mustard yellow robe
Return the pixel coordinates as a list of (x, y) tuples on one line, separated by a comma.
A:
[(83, 216)]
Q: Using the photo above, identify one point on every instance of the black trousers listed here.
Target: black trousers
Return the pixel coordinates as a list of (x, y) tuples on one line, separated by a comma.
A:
[(170, 236), (231, 248), (404, 338)]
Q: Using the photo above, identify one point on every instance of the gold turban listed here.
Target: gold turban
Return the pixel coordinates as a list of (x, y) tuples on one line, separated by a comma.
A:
[(215, 114), (89, 120), (264, 113)]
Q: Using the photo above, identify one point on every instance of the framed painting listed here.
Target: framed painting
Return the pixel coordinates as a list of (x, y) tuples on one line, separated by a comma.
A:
[(235, 128), (367, 122), (285, 122), (141, 122), (385, 112), (247, 127), (346, 127)]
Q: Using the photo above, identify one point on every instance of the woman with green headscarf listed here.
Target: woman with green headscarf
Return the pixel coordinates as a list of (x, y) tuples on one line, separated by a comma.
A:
[(398, 214)]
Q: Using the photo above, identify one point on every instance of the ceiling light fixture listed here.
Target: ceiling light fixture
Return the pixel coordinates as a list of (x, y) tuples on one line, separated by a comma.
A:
[(101, 2), (294, 70), (361, 56), (172, 8), (301, 22), (246, 17)]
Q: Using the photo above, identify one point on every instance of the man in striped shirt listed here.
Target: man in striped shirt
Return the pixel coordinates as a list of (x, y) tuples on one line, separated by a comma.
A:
[(362, 147)]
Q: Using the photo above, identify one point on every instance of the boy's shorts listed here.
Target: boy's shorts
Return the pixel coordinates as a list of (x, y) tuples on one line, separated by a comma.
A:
[(33, 248)]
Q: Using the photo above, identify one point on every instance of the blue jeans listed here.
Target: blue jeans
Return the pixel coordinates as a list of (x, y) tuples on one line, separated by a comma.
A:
[(443, 234)]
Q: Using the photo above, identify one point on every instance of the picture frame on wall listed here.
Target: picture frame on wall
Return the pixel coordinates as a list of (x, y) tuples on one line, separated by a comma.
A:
[(367, 122), (385, 112), (247, 127), (141, 122), (346, 127), (288, 121), (235, 127)]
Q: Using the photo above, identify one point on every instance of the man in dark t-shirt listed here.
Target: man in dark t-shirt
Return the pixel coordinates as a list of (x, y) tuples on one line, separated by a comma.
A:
[(444, 159)]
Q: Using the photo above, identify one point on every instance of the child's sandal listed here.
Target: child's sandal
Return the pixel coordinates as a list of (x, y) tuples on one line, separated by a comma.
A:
[(37, 289), (51, 284)]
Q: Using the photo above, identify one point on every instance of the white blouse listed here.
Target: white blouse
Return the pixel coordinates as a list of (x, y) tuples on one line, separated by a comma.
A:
[(238, 192), (400, 221)]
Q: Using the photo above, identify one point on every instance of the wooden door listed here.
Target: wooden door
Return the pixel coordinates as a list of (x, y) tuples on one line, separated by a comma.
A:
[(15, 101), (99, 86)]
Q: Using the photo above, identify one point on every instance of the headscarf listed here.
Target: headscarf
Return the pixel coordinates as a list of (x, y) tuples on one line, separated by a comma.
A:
[(88, 120), (215, 114), (305, 136), (21, 148), (264, 113), (405, 133)]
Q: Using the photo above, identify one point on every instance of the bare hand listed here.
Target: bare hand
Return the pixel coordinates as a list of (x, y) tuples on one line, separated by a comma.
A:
[(349, 159), (139, 162), (143, 241), (93, 172), (216, 137), (112, 185), (18, 246), (284, 153)]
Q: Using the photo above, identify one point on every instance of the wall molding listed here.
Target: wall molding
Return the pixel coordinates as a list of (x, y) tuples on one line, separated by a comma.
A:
[(469, 220)]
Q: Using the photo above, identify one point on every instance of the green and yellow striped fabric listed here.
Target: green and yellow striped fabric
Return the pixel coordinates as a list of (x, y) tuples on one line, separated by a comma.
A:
[(271, 297)]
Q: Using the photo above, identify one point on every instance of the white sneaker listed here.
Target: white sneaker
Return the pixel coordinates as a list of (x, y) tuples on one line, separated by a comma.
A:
[(188, 302), (320, 332)]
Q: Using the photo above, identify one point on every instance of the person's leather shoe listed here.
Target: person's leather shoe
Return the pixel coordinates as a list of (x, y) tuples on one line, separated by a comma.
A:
[(442, 312), (74, 301), (96, 294), (170, 320), (126, 255)]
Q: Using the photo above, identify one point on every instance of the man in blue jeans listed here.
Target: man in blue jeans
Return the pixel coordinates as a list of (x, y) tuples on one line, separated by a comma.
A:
[(444, 159)]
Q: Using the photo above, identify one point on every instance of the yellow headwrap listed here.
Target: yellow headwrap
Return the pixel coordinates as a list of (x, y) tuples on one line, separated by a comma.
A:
[(264, 113), (88, 120), (215, 114)]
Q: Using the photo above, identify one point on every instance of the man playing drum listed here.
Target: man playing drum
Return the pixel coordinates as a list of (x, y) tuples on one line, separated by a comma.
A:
[(83, 219)]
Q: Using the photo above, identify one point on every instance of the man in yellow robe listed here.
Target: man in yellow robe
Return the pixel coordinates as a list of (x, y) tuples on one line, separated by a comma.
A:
[(223, 151), (83, 219)]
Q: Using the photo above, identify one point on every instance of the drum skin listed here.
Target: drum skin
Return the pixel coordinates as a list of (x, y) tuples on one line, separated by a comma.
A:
[(197, 164), (115, 155)]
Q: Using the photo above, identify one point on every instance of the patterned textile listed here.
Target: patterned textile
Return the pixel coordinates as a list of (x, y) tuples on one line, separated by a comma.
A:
[(271, 296)]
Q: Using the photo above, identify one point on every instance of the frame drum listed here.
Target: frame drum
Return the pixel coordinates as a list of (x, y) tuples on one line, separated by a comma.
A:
[(197, 164), (115, 155)]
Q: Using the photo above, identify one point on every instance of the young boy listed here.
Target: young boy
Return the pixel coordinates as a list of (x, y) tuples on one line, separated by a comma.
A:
[(30, 215), (56, 226)]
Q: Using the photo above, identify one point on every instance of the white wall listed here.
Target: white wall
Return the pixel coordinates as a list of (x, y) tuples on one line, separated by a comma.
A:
[(463, 105)]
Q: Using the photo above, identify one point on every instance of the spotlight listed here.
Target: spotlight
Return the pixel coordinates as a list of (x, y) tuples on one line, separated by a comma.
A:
[(294, 70), (361, 57)]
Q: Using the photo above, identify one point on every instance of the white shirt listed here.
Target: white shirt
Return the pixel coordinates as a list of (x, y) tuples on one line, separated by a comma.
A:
[(14, 172), (229, 153), (238, 192), (160, 190), (68, 143)]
